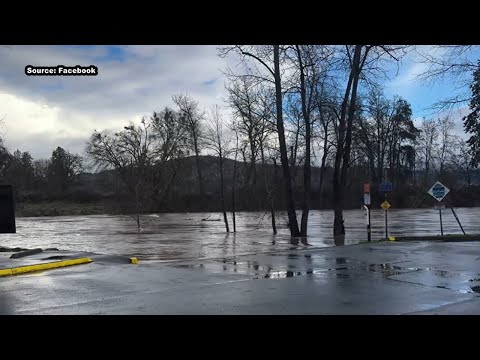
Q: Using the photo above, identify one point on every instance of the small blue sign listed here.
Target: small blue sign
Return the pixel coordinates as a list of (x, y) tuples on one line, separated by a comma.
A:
[(386, 186), (438, 191)]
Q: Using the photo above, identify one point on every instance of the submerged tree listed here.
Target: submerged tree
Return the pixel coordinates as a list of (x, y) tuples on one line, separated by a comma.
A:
[(217, 141), (139, 154), (270, 58), (361, 61)]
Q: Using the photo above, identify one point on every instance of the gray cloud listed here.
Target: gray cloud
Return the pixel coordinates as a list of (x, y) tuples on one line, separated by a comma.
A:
[(143, 79)]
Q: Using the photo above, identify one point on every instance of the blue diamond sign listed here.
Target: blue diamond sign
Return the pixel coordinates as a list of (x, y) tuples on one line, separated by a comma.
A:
[(438, 191)]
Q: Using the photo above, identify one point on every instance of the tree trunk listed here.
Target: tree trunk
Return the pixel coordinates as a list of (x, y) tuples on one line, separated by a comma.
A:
[(233, 184), (307, 172), (269, 192), (322, 167), (351, 113), (137, 206), (197, 162), (342, 156), (222, 195), (292, 216)]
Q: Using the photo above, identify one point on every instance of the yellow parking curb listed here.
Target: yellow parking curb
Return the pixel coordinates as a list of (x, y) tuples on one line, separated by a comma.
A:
[(44, 266)]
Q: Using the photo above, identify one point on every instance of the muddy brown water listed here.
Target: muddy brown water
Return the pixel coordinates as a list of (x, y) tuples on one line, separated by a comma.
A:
[(186, 236)]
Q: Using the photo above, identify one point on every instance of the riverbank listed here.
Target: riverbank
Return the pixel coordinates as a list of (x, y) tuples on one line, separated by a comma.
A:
[(68, 208), (59, 208)]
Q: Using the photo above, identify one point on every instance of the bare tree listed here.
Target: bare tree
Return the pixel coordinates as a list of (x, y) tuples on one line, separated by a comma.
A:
[(217, 140), (362, 61), (234, 128), (455, 63), (139, 154), (244, 98), (345, 123), (308, 60), (428, 146), (193, 117), (462, 161), (265, 130), (385, 133), (447, 142), (269, 60)]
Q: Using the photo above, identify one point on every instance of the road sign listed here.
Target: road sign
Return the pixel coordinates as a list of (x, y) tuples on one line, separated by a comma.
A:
[(385, 205), (386, 186), (366, 199), (366, 187), (438, 191)]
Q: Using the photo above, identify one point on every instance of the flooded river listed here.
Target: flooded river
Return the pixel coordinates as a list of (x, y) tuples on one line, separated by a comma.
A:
[(187, 236)]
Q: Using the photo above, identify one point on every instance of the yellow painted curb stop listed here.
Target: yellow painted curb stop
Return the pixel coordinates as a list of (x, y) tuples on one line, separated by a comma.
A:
[(133, 260), (391, 238), (44, 266)]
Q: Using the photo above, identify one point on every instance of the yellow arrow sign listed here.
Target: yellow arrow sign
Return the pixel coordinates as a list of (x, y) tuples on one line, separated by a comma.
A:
[(385, 205)]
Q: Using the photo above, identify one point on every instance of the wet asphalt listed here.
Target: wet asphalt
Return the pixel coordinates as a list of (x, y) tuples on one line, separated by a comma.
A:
[(375, 278)]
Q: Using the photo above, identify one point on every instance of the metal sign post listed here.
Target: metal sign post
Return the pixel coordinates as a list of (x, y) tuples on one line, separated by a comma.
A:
[(438, 191), (367, 202), (386, 187), (385, 206), (441, 223), (458, 221)]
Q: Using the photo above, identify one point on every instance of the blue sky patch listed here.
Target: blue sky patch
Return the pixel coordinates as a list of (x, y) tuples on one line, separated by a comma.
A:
[(209, 82), (113, 54), (52, 87)]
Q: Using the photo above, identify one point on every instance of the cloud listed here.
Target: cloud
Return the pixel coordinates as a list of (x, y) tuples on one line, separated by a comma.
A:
[(42, 112)]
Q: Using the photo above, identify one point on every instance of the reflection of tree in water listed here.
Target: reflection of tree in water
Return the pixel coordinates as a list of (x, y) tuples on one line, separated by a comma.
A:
[(339, 240), (297, 241)]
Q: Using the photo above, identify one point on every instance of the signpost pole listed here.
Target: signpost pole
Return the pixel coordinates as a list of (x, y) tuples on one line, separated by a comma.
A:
[(386, 187), (386, 224), (441, 224), (367, 201), (458, 220), (369, 229), (386, 219)]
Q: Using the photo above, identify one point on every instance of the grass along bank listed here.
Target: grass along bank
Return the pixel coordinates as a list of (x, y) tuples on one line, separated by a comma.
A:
[(59, 208)]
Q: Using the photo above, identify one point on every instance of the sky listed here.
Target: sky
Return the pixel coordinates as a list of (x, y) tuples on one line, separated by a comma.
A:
[(41, 113)]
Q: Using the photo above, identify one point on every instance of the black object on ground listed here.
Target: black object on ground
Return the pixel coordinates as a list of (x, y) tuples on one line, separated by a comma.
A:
[(26, 253), (7, 210)]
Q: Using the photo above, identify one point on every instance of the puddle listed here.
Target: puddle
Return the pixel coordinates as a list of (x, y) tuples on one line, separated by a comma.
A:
[(390, 270), (282, 274)]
